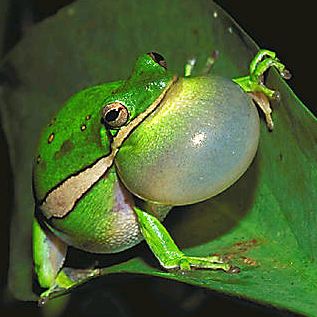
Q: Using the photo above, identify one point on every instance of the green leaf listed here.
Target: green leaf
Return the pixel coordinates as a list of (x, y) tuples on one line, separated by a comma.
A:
[(265, 223)]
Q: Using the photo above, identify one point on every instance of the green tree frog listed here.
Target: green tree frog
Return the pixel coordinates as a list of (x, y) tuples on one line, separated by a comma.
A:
[(118, 156)]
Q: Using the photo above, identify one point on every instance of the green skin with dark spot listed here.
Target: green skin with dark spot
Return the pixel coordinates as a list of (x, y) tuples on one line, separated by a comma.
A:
[(72, 149)]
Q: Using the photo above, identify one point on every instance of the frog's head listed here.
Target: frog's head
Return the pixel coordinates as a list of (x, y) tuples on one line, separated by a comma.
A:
[(147, 84), (84, 130), (198, 139)]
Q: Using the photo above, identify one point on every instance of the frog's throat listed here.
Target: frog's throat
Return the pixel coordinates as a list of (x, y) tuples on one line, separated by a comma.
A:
[(62, 199)]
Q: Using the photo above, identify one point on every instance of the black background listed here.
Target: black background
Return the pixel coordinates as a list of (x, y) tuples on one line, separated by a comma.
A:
[(285, 27), (289, 28)]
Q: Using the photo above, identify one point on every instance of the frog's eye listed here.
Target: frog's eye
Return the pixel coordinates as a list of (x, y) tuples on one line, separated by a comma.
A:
[(115, 115), (157, 58)]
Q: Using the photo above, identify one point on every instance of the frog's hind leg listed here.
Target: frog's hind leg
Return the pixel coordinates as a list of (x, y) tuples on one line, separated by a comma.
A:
[(167, 252)]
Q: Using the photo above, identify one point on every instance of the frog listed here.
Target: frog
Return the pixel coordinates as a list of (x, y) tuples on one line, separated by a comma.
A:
[(118, 156)]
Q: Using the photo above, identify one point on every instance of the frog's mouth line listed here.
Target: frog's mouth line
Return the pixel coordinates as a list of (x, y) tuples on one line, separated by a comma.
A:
[(62, 199)]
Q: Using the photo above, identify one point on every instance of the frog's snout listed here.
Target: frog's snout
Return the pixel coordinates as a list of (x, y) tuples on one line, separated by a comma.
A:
[(199, 141)]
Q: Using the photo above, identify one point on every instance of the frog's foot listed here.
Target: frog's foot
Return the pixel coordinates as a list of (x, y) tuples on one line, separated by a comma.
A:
[(189, 66), (66, 280), (254, 82), (186, 263), (210, 62)]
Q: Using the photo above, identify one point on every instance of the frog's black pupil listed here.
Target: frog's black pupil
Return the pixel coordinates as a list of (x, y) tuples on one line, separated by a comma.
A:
[(112, 115)]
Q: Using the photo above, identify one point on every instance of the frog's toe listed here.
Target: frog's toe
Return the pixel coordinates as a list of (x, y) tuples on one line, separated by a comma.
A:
[(233, 270), (286, 74)]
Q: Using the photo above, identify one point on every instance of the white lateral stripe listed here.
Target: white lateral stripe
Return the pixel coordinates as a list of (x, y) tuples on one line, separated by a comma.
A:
[(62, 200)]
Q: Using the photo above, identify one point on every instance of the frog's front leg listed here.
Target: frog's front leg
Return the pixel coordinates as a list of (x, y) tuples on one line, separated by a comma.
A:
[(49, 254), (253, 84), (190, 65), (167, 252)]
